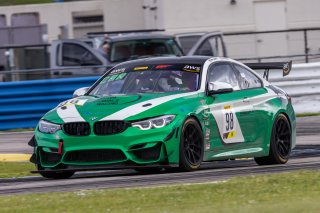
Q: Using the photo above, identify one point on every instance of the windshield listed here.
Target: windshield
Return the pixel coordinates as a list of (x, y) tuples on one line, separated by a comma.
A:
[(149, 79), (128, 50)]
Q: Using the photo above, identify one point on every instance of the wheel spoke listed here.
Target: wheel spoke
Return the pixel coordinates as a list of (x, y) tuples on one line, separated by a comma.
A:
[(186, 135), (195, 153), (283, 148), (195, 146), (279, 127), (193, 131), (284, 128), (188, 153), (193, 157), (284, 133), (286, 144), (192, 135)]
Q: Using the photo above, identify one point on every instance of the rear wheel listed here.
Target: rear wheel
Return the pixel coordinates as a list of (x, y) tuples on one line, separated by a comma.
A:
[(55, 175), (280, 143), (191, 146)]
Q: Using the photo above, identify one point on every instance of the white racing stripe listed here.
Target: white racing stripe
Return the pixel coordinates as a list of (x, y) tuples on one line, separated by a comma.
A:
[(255, 100), (69, 114), (138, 108)]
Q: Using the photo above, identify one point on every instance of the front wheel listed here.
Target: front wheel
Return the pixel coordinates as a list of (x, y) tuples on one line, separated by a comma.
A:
[(191, 146), (280, 143)]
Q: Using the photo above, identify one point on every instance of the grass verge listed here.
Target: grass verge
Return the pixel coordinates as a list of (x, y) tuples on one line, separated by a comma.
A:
[(307, 114), (287, 192), (15, 169)]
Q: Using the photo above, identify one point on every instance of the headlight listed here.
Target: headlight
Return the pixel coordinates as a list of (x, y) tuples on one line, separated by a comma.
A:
[(157, 122), (47, 127)]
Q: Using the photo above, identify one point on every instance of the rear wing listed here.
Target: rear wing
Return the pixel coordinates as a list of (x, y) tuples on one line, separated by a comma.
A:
[(284, 66)]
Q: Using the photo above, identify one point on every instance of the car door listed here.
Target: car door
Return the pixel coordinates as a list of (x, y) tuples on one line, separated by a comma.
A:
[(187, 40), (202, 43), (75, 58), (232, 111), (252, 86)]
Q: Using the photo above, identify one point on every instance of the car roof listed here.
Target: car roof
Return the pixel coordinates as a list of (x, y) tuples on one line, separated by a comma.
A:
[(167, 60), (137, 36)]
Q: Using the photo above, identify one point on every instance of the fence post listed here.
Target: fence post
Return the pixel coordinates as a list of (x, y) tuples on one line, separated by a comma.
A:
[(306, 50)]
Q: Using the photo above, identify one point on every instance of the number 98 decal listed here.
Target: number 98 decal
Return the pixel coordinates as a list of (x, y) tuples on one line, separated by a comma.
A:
[(229, 121), (229, 131)]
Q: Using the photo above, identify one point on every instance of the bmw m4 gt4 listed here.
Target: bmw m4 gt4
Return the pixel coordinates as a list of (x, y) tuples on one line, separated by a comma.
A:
[(168, 112)]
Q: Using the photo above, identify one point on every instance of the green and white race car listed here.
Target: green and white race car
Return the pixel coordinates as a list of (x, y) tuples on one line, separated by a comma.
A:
[(163, 112)]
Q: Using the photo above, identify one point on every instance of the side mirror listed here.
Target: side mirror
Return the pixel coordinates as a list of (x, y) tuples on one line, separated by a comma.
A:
[(80, 92), (218, 87)]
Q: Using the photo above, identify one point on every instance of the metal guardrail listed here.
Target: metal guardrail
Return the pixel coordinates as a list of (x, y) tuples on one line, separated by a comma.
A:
[(304, 80), (24, 103)]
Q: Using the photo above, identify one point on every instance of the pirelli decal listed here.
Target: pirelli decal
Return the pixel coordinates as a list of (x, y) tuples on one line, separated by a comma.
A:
[(229, 135)]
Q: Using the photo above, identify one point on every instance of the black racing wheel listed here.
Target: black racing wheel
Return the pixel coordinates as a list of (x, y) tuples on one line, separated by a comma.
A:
[(191, 146), (280, 143)]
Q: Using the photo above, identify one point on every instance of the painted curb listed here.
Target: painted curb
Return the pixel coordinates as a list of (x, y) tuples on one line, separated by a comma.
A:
[(14, 157)]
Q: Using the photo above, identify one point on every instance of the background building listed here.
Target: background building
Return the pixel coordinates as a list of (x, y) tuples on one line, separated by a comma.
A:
[(74, 19)]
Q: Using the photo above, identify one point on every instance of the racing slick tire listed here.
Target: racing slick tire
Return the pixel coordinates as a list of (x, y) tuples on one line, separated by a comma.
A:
[(191, 146), (55, 175), (280, 143)]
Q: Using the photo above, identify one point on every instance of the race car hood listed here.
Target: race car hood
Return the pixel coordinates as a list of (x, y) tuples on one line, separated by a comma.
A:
[(120, 107)]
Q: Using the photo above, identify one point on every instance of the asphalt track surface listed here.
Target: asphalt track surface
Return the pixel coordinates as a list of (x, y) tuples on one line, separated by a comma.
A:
[(305, 156)]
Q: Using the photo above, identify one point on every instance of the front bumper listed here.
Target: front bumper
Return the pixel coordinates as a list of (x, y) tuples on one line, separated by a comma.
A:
[(133, 147), (104, 167)]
